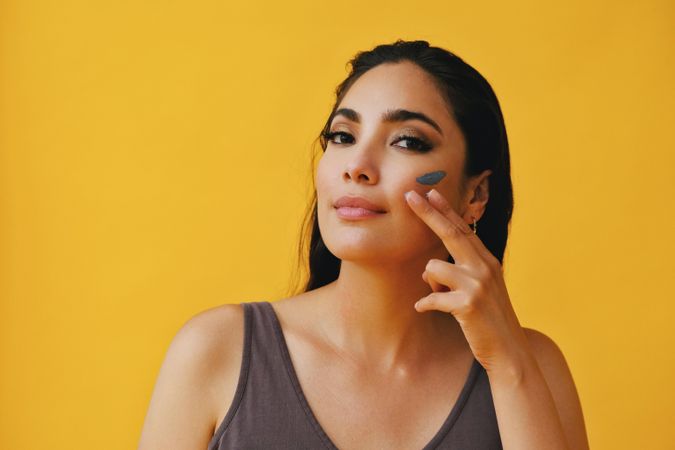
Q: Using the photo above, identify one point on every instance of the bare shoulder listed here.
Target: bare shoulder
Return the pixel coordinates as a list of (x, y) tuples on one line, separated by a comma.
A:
[(560, 381), (218, 342), (208, 328), (212, 339), (198, 370), (546, 350)]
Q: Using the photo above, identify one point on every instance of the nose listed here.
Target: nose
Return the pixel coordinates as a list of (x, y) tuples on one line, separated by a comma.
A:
[(362, 166)]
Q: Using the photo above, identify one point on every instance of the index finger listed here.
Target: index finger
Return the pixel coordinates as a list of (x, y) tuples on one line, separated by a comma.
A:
[(454, 239)]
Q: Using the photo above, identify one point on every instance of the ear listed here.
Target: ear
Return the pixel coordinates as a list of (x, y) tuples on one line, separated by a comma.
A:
[(476, 196)]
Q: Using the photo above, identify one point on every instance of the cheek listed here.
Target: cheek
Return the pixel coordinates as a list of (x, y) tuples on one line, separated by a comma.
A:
[(443, 180), (325, 181), (409, 182), (321, 174)]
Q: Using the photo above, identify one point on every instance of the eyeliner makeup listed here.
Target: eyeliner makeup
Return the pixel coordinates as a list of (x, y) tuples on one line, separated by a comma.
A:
[(431, 177)]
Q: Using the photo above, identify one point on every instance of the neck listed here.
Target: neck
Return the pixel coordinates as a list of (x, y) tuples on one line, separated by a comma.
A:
[(372, 320)]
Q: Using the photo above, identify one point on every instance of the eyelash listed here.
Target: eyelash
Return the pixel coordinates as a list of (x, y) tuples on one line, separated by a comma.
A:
[(421, 144)]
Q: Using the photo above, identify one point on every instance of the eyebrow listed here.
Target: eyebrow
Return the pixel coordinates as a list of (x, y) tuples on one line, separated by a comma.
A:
[(390, 115)]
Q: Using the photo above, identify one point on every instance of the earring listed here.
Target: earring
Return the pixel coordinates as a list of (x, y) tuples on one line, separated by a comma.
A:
[(475, 226)]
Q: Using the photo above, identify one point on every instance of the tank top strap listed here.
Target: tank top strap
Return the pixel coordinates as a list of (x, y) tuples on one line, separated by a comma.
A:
[(267, 356), (216, 440), (266, 411)]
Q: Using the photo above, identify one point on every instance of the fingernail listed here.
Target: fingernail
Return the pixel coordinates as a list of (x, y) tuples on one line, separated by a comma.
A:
[(413, 197)]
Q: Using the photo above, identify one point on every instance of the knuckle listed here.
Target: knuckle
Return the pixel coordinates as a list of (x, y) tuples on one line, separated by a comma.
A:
[(445, 209), (451, 230), (481, 289), (468, 305), (485, 269), (476, 288), (427, 209)]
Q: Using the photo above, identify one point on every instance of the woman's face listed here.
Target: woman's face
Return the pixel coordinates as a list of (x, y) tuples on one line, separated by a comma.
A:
[(370, 158)]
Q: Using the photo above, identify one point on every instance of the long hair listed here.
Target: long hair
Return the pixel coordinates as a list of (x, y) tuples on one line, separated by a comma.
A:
[(474, 107)]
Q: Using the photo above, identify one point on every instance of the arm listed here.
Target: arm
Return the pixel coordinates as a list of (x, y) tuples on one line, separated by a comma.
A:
[(536, 401), (521, 364), (182, 411)]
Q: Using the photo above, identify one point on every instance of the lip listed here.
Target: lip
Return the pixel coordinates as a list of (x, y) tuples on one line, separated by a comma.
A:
[(349, 213), (356, 202)]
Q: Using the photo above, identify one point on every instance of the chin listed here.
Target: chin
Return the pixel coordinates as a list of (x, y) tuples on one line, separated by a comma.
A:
[(381, 252)]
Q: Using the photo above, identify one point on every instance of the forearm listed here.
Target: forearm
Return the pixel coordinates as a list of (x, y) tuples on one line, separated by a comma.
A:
[(525, 409)]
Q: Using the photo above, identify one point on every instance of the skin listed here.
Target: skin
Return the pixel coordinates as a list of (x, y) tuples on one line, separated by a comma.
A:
[(364, 350), (383, 258)]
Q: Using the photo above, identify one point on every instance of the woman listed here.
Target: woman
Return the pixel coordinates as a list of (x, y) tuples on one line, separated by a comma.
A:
[(413, 201)]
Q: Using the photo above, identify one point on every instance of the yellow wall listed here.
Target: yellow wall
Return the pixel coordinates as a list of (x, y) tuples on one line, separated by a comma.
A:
[(154, 160)]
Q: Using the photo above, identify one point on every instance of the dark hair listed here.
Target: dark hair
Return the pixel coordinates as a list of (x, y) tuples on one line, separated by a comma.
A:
[(475, 108)]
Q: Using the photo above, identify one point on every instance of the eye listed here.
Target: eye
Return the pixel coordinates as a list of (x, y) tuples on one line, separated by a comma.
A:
[(416, 144), (413, 143), (330, 135)]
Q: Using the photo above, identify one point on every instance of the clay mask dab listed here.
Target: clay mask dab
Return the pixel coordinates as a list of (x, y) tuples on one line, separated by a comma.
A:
[(431, 177)]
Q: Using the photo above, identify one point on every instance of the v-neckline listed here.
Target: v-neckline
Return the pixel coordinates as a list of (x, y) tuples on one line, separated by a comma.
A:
[(435, 440)]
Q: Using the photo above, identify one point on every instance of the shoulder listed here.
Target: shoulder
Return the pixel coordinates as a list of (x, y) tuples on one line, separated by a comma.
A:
[(549, 357), (204, 338), (546, 350), (207, 328), (558, 376), (212, 343), (201, 364)]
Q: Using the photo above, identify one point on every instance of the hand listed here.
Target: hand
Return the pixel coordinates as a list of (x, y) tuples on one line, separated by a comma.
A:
[(472, 289)]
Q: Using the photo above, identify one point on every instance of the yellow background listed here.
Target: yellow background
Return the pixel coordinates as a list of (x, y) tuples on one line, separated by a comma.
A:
[(155, 161)]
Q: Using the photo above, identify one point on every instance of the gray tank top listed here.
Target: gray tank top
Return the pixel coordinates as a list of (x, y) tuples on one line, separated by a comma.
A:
[(270, 411)]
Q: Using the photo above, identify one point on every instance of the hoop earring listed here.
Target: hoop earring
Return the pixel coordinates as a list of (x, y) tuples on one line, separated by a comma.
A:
[(475, 226)]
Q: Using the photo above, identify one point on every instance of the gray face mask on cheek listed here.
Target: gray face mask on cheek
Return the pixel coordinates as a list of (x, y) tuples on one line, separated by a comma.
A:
[(431, 177)]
